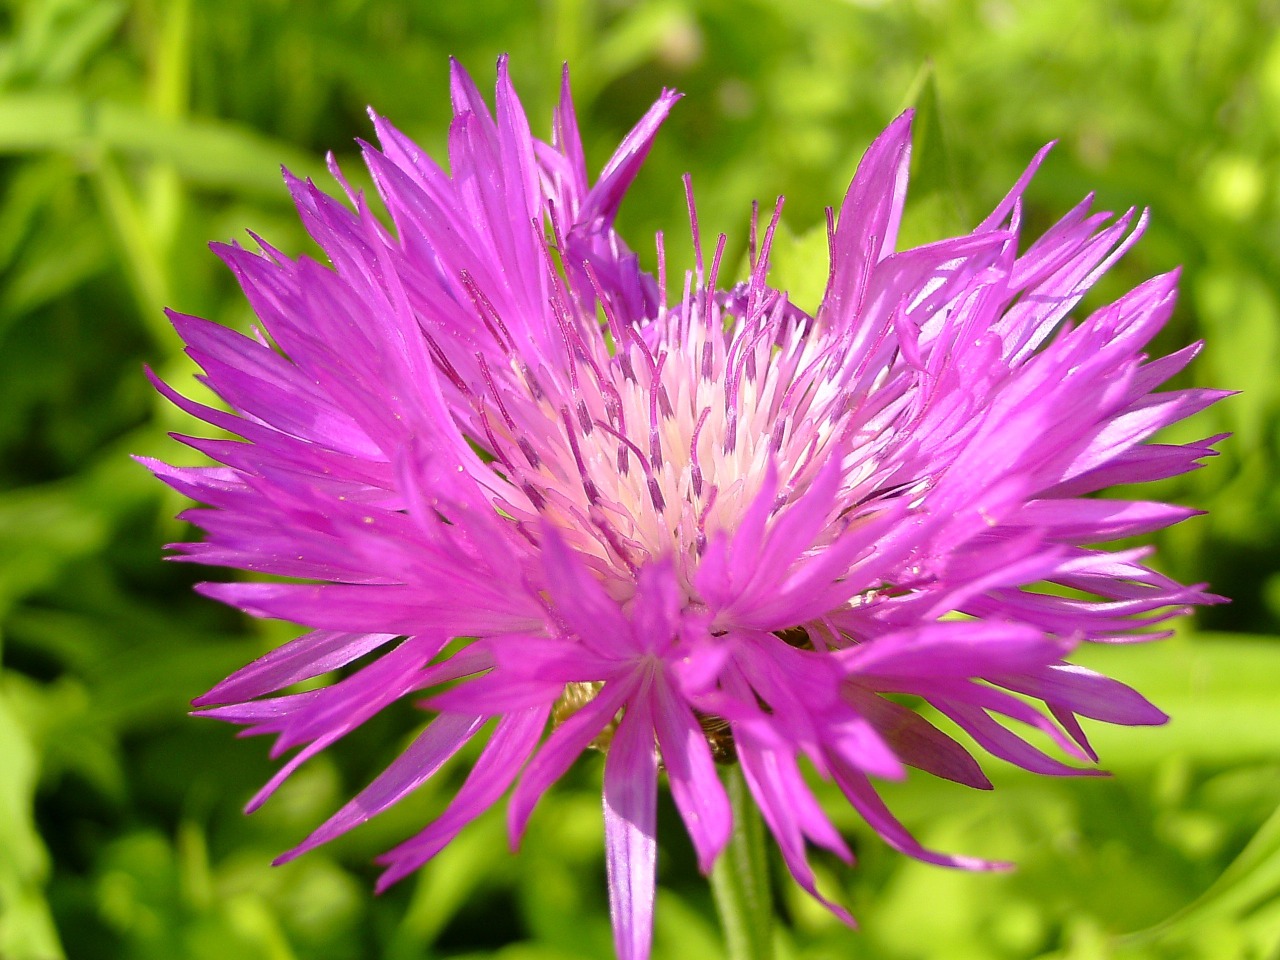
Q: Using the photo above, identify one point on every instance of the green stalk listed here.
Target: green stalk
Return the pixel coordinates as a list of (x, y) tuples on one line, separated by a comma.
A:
[(740, 878)]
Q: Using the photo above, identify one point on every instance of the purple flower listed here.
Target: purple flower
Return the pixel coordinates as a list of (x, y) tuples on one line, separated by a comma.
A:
[(682, 522)]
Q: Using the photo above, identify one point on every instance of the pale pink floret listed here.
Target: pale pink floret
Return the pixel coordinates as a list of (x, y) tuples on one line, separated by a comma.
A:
[(712, 525)]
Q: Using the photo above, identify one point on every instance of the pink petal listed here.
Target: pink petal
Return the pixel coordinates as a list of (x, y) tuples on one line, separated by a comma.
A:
[(443, 737), (955, 648), (691, 772), (630, 827), (565, 745), (867, 228), (857, 788), (508, 748), (308, 656)]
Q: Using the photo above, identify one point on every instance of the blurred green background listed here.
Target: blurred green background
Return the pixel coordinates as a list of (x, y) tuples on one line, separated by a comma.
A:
[(133, 133)]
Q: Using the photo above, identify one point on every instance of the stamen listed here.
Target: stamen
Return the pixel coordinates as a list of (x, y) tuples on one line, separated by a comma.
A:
[(617, 416), (534, 494), (831, 248), (630, 445), (693, 226), (559, 278), (588, 485), (530, 454), (535, 388), (686, 305), (660, 243), (443, 363), (485, 310), (610, 535), (761, 266), (655, 494), (655, 442), (708, 298), (731, 389), (493, 388), (703, 514), (747, 356), (570, 345), (616, 329), (779, 432), (695, 469), (494, 447)]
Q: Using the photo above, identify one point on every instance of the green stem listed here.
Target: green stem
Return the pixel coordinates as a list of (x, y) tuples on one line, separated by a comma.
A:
[(740, 878)]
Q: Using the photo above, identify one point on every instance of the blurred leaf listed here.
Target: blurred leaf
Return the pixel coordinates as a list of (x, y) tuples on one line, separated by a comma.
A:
[(40, 530), (938, 205), (1240, 897), (1218, 690), (457, 874), (26, 927), (53, 40), (206, 152)]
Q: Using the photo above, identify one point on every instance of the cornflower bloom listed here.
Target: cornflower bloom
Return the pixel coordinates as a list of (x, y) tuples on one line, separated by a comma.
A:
[(682, 524)]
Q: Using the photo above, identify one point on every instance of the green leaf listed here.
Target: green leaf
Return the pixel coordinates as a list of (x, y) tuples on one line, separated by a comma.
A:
[(26, 927), (208, 153), (1218, 689), (1240, 897)]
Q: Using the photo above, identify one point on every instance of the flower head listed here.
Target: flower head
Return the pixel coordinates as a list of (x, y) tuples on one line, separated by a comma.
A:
[(681, 521)]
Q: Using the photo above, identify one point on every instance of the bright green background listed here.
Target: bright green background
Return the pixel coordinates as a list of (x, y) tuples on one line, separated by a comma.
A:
[(132, 133)]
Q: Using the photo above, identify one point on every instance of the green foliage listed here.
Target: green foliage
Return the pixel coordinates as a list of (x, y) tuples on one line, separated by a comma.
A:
[(131, 133)]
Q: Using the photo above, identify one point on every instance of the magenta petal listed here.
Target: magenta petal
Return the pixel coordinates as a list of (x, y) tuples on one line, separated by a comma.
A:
[(582, 601), (783, 822), (567, 141), (691, 771), (1003, 743), (602, 201), (630, 823), (443, 737), (559, 751), (857, 788), (916, 741), (308, 656), (867, 228), (508, 748), (403, 610), (963, 649), (1087, 693)]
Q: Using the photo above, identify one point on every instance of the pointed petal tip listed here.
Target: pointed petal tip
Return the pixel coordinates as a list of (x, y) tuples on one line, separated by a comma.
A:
[(207, 699), (387, 879)]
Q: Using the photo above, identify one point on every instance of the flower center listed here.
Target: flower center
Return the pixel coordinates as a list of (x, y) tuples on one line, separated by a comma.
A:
[(652, 439)]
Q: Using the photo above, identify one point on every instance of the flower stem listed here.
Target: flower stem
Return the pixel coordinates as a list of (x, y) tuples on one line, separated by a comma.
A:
[(740, 878)]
